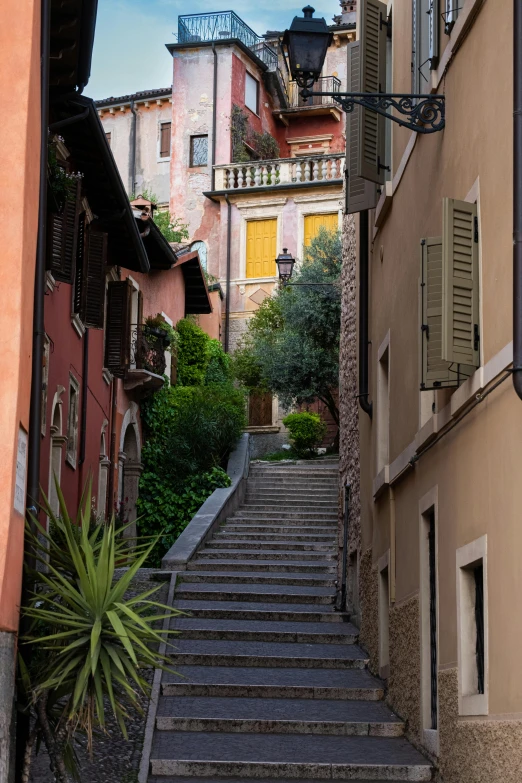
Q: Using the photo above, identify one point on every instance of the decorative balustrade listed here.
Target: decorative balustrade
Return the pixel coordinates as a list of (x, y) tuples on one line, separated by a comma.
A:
[(272, 173)]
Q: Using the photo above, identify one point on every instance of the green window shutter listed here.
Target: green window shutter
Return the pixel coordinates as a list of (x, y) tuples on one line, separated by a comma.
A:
[(372, 40), (435, 373), (93, 280), (361, 194), (460, 323), (117, 327)]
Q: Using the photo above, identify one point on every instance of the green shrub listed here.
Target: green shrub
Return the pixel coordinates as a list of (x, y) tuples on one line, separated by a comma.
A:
[(307, 430), (193, 353), (163, 509), (219, 367)]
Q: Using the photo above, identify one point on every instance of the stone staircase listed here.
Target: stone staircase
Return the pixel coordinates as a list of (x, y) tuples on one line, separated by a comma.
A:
[(273, 686)]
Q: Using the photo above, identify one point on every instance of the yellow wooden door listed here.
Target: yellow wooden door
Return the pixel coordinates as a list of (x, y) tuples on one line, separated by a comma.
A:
[(312, 224), (261, 248)]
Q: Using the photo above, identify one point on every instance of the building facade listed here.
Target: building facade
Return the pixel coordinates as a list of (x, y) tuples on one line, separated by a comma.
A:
[(440, 423), (253, 168)]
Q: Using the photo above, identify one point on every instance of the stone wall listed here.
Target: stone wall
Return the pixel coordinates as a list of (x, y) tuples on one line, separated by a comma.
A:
[(475, 750), (349, 466), (369, 598), (404, 683)]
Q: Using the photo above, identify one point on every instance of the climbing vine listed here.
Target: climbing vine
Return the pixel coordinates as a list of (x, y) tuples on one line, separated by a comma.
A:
[(264, 145)]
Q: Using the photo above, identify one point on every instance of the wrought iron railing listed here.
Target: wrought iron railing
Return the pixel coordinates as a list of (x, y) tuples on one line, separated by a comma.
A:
[(223, 25), (147, 349), (324, 84)]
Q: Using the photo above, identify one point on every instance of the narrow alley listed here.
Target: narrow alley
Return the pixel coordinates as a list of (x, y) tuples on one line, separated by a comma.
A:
[(273, 684)]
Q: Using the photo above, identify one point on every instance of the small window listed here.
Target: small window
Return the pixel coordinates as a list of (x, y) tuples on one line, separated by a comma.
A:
[(383, 405), (165, 132), (422, 15), (198, 151), (472, 620), (252, 93), (108, 136), (452, 12), (72, 421)]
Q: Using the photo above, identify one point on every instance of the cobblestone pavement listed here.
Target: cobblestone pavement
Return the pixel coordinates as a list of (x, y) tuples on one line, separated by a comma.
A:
[(114, 760)]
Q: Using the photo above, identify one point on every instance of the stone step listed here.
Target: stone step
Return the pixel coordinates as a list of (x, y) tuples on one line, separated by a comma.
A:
[(258, 682), (214, 779), (266, 566), (268, 554), (228, 544), (293, 527), (277, 716), (303, 513), (265, 630), (246, 538), (283, 756), (242, 610), (299, 594), (310, 499), (267, 655), (330, 473), (275, 578), (300, 520), (328, 509)]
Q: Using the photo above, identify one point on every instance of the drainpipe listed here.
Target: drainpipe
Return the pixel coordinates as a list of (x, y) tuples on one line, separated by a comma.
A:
[(214, 118), (35, 410), (517, 197), (133, 146), (227, 296), (112, 452), (365, 404), (85, 391)]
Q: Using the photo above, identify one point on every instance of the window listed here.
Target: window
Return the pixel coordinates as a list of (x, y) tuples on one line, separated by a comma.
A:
[(261, 248), (72, 422), (450, 318), (165, 132), (89, 284), (425, 20), (384, 617), (452, 12), (198, 151), (108, 136), (251, 93), (118, 326), (312, 224), (472, 625)]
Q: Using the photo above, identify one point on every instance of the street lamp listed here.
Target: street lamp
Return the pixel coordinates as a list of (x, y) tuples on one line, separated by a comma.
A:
[(285, 265), (307, 41)]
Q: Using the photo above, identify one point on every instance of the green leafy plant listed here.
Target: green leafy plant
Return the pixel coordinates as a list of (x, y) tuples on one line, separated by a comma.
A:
[(193, 353), (61, 183), (172, 228), (263, 145), (307, 430), (170, 335), (92, 642)]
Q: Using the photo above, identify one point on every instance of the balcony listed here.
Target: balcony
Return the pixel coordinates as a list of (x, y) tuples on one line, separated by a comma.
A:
[(315, 169), (147, 360), (222, 26), (324, 84)]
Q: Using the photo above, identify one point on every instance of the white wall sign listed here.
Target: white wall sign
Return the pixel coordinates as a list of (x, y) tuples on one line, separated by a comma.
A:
[(21, 472)]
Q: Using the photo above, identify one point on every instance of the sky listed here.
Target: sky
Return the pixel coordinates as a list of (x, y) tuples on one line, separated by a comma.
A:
[(129, 47)]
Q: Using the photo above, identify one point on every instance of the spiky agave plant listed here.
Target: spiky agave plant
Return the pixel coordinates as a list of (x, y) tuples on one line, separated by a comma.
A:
[(93, 641)]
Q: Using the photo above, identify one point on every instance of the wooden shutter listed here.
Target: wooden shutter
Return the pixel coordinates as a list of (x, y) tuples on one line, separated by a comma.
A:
[(261, 248), (372, 40), (93, 280), (435, 373), (312, 224), (460, 324), (259, 409), (361, 194), (117, 327), (63, 236), (80, 260), (165, 139)]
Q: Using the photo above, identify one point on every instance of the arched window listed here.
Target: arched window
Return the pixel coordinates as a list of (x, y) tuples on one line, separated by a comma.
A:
[(201, 247)]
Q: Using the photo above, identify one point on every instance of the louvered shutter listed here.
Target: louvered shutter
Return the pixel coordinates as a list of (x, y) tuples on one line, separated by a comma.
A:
[(165, 131), (63, 236), (80, 259), (93, 280), (460, 324), (434, 371), (372, 40), (434, 20), (117, 327), (361, 194)]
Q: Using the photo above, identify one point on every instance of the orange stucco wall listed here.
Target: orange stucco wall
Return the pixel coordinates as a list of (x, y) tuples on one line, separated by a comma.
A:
[(19, 173)]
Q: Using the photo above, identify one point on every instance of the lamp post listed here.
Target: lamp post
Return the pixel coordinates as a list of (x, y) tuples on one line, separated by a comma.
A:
[(307, 41), (285, 265)]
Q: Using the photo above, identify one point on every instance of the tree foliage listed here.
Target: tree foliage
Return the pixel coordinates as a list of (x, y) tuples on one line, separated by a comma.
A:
[(292, 344), (307, 430), (171, 227)]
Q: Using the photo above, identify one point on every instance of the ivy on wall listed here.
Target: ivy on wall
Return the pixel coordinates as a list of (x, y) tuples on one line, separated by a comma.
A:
[(247, 143)]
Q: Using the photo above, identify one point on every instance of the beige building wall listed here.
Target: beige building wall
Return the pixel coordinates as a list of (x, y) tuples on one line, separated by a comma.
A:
[(470, 477)]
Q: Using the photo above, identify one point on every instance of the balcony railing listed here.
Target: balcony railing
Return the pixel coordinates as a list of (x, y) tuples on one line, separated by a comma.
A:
[(147, 350), (324, 84), (223, 25), (284, 171)]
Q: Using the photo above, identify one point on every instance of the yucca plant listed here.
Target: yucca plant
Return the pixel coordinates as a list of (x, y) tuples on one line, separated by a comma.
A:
[(92, 642)]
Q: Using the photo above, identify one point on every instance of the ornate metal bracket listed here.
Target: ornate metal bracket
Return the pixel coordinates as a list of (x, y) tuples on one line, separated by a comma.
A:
[(420, 113)]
